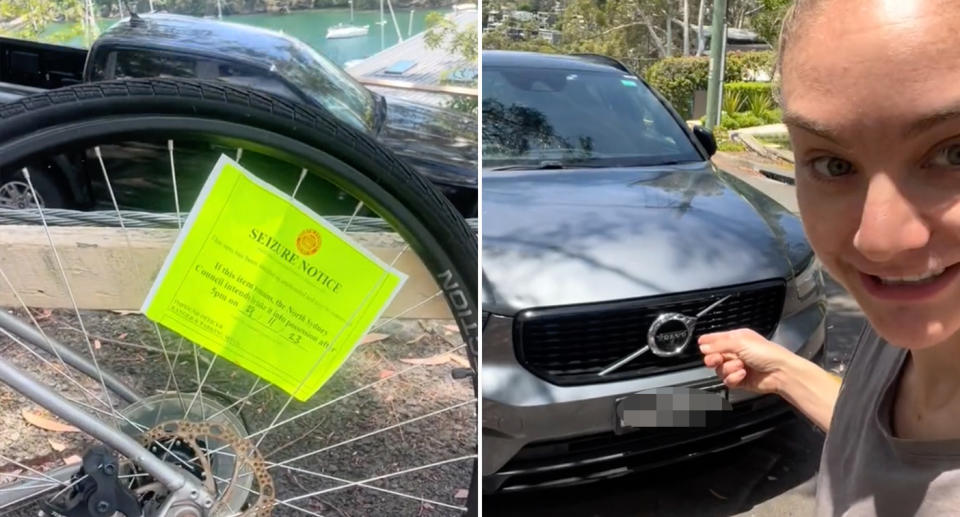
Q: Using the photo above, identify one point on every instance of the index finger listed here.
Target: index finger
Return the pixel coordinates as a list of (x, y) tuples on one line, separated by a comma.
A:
[(722, 343), (714, 337)]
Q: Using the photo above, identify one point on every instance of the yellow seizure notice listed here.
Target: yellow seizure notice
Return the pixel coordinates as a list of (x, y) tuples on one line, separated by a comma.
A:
[(267, 284)]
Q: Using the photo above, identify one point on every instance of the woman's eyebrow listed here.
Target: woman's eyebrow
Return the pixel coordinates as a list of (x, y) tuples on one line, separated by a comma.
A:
[(824, 131), (930, 121)]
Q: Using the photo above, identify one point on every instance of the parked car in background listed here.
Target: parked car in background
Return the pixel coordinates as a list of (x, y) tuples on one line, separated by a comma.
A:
[(610, 243), (439, 143)]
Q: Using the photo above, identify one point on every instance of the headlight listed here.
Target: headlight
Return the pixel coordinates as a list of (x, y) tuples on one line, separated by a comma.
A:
[(809, 279)]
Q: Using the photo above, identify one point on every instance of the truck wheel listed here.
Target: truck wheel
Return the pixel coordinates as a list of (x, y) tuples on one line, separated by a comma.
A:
[(15, 191)]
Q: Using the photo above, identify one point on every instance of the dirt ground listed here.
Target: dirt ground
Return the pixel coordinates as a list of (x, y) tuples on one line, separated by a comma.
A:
[(406, 359)]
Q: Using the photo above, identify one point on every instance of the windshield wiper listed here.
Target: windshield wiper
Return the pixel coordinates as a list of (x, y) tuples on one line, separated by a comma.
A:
[(545, 165)]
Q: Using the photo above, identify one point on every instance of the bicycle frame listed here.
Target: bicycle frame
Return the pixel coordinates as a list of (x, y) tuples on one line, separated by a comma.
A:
[(181, 486)]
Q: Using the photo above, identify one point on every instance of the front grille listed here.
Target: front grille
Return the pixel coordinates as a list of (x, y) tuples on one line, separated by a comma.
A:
[(570, 345)]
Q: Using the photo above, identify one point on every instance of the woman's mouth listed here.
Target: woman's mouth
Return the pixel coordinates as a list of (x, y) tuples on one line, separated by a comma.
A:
[(914, 288)]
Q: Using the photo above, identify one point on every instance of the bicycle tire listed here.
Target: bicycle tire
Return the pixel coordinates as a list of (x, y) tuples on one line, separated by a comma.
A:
[(442, 237)]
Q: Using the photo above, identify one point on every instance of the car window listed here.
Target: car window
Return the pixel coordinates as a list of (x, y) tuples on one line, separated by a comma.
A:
[(132, 64), (329, 85), (596, 118), (251, 77)]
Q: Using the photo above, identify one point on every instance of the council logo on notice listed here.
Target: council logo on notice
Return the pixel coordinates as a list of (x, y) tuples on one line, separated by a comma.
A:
[(308, 242)]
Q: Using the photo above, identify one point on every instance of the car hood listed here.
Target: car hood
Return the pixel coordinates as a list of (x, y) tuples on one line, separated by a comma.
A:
[(438, 142), (560, 237)]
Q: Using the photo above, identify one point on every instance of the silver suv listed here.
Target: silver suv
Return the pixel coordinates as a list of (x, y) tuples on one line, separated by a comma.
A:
[(610, 243)]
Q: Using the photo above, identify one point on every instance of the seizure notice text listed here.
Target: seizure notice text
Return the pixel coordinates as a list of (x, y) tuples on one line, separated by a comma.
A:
[(261, 280)]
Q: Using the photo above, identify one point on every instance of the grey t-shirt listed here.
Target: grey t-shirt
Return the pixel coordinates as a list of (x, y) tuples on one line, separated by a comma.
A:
[(865, 470)]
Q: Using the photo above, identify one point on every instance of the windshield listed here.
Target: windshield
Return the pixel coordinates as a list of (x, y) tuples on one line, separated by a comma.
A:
[(330, 86), (563, 117)]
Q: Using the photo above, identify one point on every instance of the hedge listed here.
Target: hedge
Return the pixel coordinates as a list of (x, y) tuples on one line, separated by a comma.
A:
[(676, 78)]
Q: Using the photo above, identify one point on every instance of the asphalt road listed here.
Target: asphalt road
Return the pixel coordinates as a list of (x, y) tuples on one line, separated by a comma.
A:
[(771, 477)]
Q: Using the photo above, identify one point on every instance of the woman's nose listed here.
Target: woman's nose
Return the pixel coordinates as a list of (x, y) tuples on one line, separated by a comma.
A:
[(890, 223)]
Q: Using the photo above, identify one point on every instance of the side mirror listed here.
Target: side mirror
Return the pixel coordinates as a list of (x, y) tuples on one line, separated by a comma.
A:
[(705, 137)]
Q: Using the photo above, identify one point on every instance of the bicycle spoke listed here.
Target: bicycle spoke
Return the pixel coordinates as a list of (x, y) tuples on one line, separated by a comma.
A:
[(73, 300), (80, 386), (372, 433), (285, 464), (31, 487), (126, 235), (173, 177), (21, 476), (133, 476), (31, 469), (361, 389), (316, 364), (36, 354), (350, 221), (84, 389), (406, 311), (176, 207), (372, 487), (254, 492), (31, 495), (56, 352), (196, 364), (375, 478), (71, 485), (136, 425), (243, 399), (173, 374), (341, 397), (196, 395), (303, 174), (405, 247)]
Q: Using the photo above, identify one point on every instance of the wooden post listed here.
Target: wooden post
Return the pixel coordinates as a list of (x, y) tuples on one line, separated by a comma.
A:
[(106, 272)]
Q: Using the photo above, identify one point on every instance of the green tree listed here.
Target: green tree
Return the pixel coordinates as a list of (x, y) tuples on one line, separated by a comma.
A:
[(633, 31), (442, 32), (28, 18), (515, 34), (766, 22)]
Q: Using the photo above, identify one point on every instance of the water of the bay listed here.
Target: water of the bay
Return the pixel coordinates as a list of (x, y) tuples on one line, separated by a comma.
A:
[(308, 26)]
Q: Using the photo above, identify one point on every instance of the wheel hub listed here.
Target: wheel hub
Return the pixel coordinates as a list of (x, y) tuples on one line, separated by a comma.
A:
[(17, 194)]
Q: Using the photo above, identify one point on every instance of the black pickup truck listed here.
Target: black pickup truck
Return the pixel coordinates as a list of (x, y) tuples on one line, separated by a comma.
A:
[(439, 143)]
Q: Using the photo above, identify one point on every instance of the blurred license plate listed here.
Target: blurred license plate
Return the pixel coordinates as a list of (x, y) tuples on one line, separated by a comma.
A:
[(671, 407)]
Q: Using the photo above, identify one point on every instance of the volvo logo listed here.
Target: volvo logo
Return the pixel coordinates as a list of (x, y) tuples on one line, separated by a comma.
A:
[(668, 336)]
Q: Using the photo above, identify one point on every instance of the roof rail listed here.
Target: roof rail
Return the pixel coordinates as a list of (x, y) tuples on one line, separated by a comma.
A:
[(604, 60)]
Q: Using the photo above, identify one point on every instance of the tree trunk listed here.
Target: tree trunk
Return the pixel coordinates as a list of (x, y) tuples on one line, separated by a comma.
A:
[(669, 31), (700, 39), (657, 42), (686, 27)]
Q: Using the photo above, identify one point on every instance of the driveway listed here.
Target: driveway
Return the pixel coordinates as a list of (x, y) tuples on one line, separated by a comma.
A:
[(771, 477)]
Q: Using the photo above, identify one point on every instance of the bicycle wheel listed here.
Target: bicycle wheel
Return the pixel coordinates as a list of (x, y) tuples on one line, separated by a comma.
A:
[(391, 432)]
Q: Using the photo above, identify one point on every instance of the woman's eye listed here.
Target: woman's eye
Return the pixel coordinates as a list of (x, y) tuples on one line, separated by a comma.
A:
[(831, 167), (948, 156)]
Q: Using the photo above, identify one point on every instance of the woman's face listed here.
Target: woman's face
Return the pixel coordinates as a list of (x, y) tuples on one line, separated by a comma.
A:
[(871, 94)]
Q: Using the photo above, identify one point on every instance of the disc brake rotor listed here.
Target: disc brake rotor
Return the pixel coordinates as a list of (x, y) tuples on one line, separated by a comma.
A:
[(205, 439), (198, 434)]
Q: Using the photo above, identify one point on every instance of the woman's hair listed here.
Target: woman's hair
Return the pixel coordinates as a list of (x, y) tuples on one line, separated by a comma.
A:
[(796, 13)]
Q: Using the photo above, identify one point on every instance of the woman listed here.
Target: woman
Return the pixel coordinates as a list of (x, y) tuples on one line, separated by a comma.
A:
[(871, 97)]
